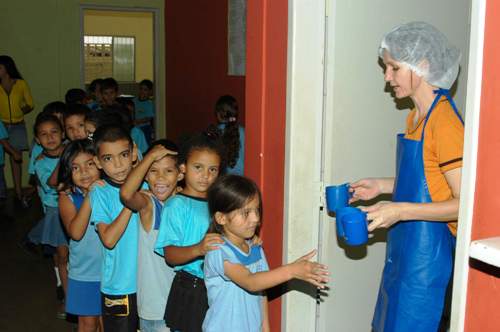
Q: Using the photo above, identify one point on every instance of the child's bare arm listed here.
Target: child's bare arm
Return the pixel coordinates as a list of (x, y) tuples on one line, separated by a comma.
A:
[(16, 155), (75, 222), (265, 315), (129, 194), (52, 181), (111, 233), (181, 255), (302, 269)]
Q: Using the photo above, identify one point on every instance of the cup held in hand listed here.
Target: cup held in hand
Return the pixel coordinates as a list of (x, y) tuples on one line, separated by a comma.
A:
[(337, 197), (352, 225)]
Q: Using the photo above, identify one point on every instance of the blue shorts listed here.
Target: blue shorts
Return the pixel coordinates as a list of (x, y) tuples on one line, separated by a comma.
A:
[(18, 137), (83, 298)]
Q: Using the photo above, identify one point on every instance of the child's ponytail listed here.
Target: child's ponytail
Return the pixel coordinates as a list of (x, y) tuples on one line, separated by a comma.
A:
[(226, 110)]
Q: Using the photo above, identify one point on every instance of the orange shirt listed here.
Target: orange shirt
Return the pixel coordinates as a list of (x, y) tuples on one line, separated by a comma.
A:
[(442, 151)]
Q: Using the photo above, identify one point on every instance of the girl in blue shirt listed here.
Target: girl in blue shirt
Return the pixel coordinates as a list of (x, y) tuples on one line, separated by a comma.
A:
[(77, 172), (183, 239), (237, 274)]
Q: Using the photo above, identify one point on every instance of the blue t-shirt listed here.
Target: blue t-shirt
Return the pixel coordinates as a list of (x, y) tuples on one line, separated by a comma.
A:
[(239, 167), (139, 139), (184, 222), (43, 170), (3, 135), (119, 265), (245, 312), (144, 108), (35, 152), (85, 255)]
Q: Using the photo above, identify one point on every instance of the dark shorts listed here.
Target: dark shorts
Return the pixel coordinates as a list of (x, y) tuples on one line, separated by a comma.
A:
[(18, 137), (187, 303), (119, 313)]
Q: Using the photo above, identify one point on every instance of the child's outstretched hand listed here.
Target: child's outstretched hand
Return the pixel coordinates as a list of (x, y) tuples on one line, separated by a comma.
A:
[(159, 151), (312, 272), (209, 242)]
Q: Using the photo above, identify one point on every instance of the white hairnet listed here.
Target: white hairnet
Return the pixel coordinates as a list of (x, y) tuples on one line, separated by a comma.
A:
[(415, 42)]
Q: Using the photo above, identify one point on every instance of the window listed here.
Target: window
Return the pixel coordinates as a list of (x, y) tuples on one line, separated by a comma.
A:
[(109, 56)]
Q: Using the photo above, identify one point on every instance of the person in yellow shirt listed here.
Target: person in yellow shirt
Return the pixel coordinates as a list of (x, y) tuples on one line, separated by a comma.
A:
[(15, 102), (422, 65)]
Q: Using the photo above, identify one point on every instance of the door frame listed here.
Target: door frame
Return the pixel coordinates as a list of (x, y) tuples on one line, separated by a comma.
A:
[(468, 184), (158, 55)]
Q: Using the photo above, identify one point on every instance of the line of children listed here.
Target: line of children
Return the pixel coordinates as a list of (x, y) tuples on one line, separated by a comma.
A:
[(140, 250)]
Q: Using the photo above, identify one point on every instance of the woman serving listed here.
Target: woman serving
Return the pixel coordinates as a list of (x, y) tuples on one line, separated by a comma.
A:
[(419, 64)]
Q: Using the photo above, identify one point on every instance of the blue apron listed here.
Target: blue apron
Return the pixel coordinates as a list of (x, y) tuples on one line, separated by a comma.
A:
[(418, 261)]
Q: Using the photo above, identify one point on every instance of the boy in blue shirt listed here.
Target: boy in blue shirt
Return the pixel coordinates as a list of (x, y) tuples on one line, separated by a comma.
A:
[(145, 109), (117, 227)]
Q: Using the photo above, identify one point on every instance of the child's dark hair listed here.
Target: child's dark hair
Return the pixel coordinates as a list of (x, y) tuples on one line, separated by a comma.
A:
[(117, 113), (167, 144), (43, 118), (65, 175), (93, 85), (54, 107), (229, 193), (227, 107), (147, 83), (203, 141), (75, 96), (76, 109), (110, 133), (109, 83)]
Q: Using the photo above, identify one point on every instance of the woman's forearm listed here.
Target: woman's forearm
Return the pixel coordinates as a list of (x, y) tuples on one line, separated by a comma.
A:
[(436, 211), (386, 185)]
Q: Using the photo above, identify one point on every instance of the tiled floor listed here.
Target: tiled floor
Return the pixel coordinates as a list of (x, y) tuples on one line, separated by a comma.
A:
[(27, 281)]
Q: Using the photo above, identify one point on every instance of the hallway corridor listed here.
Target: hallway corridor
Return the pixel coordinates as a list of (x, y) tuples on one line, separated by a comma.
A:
[(27, 281)]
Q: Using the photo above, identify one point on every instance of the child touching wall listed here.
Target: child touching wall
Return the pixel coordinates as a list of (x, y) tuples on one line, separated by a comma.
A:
[(237, 274)]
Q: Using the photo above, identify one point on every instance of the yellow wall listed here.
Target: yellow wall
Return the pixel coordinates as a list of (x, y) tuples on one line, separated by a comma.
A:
[(43, 37), (130, 24)]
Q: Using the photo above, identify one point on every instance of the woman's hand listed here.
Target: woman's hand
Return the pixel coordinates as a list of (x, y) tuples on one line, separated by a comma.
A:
[(365, 189), (384, 214), (26, 109)]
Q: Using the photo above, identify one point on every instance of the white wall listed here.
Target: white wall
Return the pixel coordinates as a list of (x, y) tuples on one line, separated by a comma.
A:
[(357, 122), (362, 121)]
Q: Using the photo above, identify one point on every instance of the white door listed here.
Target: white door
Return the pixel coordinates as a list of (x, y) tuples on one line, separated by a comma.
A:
[(341, 126)]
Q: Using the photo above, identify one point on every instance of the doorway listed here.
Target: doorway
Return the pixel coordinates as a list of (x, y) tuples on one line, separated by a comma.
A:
[(351, 125), (123, 43)]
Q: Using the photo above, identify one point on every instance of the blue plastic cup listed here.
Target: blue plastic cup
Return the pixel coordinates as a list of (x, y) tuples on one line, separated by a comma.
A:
[(337, 197), (352, 226)]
